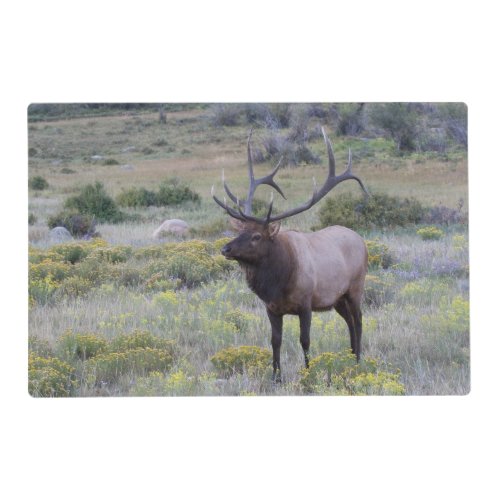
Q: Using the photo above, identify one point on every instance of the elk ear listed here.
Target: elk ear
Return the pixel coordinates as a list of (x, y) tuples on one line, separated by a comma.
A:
[(274, 229), (237, 224)]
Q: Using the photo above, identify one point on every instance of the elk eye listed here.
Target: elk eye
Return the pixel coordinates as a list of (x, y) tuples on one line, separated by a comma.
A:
[(256, 237)]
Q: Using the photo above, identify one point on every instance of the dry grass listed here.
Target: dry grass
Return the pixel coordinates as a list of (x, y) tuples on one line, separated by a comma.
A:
[(431, 359)]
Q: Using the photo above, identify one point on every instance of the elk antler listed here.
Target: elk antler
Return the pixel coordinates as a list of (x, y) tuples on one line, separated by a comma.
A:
[(331, 181)]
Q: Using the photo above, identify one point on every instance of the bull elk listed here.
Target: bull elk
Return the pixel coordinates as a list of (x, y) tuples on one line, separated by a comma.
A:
[(294, 272)]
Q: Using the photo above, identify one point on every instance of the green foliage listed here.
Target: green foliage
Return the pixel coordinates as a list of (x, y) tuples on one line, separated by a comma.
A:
[(77, 224), (399, 120), (94, 201), (379, 255), (339, 373), (174, 192), (109, 367), (49, 377), (110, 161), (243, 359), (170, 192), (140, 339), (83, 346), (375, 211), (31, 219), (40, 347), (38, 183), (430, 233), (136, 197), (348, 118)]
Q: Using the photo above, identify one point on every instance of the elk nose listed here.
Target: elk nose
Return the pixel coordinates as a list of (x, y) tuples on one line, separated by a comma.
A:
[(225, 250)]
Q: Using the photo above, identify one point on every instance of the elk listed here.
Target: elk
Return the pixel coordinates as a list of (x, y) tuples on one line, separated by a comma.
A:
[(294, 272)]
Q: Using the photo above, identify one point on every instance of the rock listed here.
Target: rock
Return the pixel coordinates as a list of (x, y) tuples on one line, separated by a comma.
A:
[(60, 234), (127, 167), (96, 157), (176, 227)]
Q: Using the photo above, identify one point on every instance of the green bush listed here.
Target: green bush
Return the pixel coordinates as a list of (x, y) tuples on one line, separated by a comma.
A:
[(94, 201), (83, 346), (379, 255), (140, 339), (31, 219), (37, 183), (77, 224), (250, 359), (375, 211), (171, 192), (430, 233), (399, 120), (339, 373), (110, 161), (136, 197), (49, 377)]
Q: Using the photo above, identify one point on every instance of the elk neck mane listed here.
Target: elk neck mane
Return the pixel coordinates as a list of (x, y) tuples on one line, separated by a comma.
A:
[(272, 276)]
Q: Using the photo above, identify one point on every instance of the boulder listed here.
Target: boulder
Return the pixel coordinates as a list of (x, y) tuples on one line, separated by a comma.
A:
[(176, 227), (59, 234)]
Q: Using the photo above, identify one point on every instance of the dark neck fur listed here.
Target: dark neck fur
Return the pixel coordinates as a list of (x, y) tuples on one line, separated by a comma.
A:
[(272, 276)]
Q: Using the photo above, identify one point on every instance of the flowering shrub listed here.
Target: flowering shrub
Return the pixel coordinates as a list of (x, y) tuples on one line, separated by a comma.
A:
[(250, 359), (339, 373), (140, 339), (81, 345), (49, 377), (379, 255)]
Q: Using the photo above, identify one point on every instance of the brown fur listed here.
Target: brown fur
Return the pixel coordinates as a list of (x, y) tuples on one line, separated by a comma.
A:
[(297, 273)]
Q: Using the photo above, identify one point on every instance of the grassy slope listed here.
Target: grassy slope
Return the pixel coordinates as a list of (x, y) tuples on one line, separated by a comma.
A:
[(415, 334)]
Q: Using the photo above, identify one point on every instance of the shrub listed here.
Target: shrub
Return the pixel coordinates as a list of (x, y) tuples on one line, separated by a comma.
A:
[(379, 255), (110, 161), (377, 210), (94, 201), (81, 346), (225, 115), (173, 192), (348, 118), (31, 219), (49, 377), (339, 373), (111, 366), (79, 225), (399, 120), (445, 215), (140, 339), (38, 183), (73, 287), (249, 359), (430, 233), (136, 197)]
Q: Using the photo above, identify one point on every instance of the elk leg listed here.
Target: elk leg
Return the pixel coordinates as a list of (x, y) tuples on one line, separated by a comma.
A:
[(276, 335), (343, 309), (355, 309), (305, 328)]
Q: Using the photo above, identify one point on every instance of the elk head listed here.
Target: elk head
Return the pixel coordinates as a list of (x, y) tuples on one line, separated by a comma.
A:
[(257, 234)]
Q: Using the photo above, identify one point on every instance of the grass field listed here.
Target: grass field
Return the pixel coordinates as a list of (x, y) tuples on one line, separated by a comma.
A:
[(128, 315)]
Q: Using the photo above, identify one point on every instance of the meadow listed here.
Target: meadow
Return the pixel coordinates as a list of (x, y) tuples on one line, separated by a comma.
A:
[(124, 314)]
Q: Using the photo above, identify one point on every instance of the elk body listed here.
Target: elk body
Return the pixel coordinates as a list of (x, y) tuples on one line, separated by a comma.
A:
[(297, 273)]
